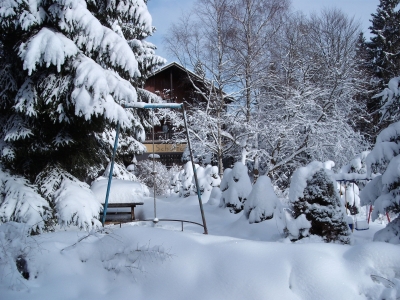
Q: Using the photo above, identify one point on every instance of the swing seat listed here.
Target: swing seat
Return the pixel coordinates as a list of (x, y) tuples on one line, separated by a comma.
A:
[(362, 225)]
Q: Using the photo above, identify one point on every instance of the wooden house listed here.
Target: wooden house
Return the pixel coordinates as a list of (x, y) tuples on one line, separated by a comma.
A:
[(173, 85)]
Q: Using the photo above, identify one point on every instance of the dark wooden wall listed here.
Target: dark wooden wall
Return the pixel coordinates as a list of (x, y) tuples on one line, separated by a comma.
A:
[(171, 79)]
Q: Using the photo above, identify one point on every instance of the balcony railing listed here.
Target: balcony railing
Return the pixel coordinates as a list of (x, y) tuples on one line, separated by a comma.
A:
[(159, 136)]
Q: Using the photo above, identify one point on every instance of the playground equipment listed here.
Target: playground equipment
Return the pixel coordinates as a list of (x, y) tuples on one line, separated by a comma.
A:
[(142, 105)]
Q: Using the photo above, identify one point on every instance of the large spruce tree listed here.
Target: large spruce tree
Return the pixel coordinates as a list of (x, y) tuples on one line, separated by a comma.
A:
[(384, 45), (66, 67), (383, 192)]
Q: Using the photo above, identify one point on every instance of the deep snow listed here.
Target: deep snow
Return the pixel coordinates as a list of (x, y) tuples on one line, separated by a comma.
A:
[(237, 260)]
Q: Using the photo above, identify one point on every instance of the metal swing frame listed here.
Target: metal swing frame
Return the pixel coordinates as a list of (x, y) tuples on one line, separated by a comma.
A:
[(142, 105)]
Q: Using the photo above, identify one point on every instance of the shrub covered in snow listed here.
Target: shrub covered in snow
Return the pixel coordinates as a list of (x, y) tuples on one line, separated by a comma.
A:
[(204, 184), (144, 173), (316, 206), (186, 180), (215, 196), (213, 176), (183, 181), (235, 187), (207, 178), (16, 245), (261, 202), (175, 182)]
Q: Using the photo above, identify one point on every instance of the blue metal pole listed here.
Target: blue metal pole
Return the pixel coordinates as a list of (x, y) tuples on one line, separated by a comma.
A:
[(110, 174), (153, 105)]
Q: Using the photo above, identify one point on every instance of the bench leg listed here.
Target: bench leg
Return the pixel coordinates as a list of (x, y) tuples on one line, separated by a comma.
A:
[(132, 213)]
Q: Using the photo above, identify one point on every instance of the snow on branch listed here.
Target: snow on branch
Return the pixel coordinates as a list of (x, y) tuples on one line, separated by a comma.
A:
[(148, 97), (77, 205), (96, 90), (21, 202), (46, 47), (14, 14), (145, 55), (389, 96), (26, 98), (300, 178), (135, 10), (261, 202), (121, 89), (371, 191), (111, 48), (381, 154), (62, 138), (16, 128), (49, 180)]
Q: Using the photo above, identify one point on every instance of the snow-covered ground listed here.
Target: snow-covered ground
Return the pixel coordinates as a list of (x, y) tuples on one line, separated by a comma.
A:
[(237, 260)]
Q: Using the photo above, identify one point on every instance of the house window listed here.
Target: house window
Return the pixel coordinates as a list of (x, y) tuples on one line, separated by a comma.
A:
[(165, 128)]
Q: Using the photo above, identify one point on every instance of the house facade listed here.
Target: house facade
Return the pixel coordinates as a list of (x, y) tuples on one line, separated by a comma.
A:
[(173, 85)]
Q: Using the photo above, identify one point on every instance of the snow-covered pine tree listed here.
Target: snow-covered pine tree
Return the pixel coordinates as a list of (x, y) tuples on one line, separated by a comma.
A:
[(186, 179), (235, 187), (384, 44), (262, 201), (132, 21), (175, 182), (212, 175), (316, 205), (365, 121), (207, 178), (202, 180), (383, 192), (65, 71)]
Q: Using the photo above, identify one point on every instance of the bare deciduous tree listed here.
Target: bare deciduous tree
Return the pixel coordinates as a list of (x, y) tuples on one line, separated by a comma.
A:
[(199, 40)]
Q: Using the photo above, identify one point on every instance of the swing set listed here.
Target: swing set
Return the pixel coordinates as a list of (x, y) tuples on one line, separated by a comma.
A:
[(141, 105)]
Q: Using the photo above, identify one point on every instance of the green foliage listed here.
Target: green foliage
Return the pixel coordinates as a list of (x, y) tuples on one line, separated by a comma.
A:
[(322, 207), (384, 45)]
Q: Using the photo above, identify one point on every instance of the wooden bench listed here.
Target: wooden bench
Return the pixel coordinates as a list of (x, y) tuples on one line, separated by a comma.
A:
[(110, 215)]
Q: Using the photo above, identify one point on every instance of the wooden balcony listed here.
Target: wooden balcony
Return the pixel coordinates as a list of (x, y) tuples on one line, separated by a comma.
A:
[(159, 136)]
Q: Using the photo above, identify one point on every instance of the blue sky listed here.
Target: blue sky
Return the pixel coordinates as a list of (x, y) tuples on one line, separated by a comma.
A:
[(165, 12)]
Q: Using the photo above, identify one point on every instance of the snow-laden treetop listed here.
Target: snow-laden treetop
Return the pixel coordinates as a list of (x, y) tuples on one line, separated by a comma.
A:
[(68, 35), (304, 174)]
